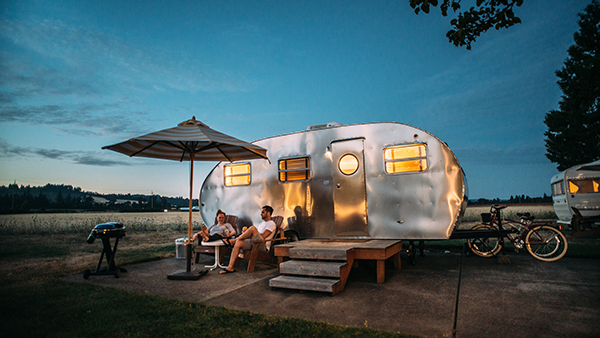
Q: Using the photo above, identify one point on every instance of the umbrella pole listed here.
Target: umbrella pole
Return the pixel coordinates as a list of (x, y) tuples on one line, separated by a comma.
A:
[(189, 243), (188, 274)]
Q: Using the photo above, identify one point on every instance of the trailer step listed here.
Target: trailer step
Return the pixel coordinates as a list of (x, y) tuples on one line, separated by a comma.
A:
[(306, 283), (333, 254), (312, 268)]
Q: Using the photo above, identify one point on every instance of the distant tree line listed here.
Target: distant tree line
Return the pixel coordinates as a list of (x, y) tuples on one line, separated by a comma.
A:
[(60, 198), (513, 200)]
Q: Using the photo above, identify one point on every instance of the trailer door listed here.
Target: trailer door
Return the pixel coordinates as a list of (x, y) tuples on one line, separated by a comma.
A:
[(349, 191)]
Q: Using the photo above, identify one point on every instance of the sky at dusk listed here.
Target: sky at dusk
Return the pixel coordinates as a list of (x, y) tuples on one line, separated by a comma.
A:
[(79, 75)]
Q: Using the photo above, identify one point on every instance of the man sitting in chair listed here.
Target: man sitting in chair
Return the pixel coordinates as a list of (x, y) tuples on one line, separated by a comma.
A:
[(256, 233)]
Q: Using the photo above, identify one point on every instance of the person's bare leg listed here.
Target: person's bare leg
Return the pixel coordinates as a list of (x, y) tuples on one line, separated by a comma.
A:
[(238, 245)]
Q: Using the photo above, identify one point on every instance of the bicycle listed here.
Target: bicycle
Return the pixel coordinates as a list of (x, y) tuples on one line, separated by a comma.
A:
[(543, 241)]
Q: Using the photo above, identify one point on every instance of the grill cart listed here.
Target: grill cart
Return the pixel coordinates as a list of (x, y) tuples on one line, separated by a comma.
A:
[(105, 232)]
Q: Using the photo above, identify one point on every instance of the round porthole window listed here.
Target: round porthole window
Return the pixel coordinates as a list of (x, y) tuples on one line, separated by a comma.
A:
[(348, 164)]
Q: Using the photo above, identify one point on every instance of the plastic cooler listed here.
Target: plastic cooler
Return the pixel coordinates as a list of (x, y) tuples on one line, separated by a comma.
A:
[(180, 248)]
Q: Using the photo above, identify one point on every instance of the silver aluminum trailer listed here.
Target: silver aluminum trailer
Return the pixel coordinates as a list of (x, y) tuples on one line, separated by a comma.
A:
[(577, 187), (372, 180)]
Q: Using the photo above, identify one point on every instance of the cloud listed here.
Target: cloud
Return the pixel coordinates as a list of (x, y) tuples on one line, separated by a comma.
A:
[(93, 61), (86, 82), (78, 157), (84, 119)]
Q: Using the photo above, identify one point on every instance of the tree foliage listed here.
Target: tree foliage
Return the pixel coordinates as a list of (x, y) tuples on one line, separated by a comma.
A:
[(477, 20), (573, 135)]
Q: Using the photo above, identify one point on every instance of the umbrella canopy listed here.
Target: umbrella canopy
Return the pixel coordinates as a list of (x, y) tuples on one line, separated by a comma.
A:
[(191, 141)]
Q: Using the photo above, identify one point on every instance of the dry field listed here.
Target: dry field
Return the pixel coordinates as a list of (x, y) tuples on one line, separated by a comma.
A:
[(77, 222), (473, 213), (60, 247)]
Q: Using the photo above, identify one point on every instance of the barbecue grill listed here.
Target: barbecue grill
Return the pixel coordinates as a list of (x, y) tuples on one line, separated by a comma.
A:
[(105, 232)]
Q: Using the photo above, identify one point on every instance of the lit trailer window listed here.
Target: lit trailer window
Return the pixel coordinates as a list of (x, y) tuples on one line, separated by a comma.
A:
[(584, 186), (405, 158), (294, 169), (237, 174)]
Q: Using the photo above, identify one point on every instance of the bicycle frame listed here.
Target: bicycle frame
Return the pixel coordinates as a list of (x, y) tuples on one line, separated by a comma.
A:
[(522, 227)]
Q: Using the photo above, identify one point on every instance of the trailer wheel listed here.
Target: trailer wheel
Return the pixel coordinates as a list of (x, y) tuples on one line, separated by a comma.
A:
[(484, 247)]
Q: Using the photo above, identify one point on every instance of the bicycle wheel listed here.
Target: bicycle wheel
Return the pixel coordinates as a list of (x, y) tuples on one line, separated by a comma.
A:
[(484, 247), (546, 243)]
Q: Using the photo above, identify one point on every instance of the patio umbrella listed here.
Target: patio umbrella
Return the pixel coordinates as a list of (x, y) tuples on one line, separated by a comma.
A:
[(191, 141)]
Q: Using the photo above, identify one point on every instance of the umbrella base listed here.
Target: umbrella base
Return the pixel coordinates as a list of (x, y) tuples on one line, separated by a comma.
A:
[(187, 275)]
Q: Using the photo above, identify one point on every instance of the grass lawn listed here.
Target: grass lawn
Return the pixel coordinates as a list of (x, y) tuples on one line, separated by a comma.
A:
[(55, 308)]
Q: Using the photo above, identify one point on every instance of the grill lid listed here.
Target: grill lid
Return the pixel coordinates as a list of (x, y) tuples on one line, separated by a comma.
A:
[(110, 229), (109, 226)]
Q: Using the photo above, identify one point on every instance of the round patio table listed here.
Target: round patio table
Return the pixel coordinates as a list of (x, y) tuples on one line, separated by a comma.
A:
[(217, 245)]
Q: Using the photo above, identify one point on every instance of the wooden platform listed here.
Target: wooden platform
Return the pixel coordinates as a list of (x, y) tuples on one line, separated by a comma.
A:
[(363, 249)]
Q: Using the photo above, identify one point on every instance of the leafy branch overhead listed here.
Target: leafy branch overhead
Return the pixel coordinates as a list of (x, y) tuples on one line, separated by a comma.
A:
[(477, 20)]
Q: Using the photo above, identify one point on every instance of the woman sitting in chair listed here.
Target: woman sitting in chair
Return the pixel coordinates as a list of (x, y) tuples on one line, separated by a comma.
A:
[(217, 231)]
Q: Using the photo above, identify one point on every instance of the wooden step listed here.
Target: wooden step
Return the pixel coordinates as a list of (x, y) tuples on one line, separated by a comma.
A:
[(311, 268), (333, 254), (305, 283)]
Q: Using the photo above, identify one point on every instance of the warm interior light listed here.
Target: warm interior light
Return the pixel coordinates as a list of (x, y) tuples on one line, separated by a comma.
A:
[(237, 180), (406, 166), (402, 152), (405, 158), (237, 174), (348, 164), (584, 186), (237, 169), (573, 188), (294, 169)]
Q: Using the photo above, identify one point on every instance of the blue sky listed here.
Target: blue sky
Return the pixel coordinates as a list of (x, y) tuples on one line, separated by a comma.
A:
[(79, 75)]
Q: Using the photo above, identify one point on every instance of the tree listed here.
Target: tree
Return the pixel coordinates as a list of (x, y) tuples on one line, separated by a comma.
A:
[(573, 135), (477, 20)]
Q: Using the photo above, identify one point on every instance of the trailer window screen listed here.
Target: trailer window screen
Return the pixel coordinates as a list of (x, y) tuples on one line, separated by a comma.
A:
[(294, 169), (584, 186), (405, 158), (558, 188), (237, 174)]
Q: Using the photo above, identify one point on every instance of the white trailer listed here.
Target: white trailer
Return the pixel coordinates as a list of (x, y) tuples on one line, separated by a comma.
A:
[(577, 190)]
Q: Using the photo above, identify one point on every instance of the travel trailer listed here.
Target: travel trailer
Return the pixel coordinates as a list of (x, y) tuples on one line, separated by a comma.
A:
[(577, 187), (362, 181)]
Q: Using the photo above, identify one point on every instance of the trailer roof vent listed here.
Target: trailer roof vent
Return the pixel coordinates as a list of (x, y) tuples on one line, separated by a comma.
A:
[(324, 126)]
